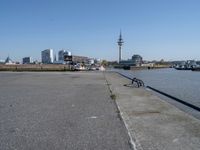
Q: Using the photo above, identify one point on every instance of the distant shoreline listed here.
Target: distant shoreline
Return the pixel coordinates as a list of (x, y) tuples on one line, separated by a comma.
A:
[(140, 67), (148, 68)]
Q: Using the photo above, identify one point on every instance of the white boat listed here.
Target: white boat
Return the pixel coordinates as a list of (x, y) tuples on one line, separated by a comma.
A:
[(79, 67)]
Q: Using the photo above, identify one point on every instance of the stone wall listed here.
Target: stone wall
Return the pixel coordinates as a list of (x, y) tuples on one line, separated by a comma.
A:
[(35, 67)]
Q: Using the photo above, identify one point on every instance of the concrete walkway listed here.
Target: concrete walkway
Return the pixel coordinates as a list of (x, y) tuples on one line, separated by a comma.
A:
[(153, 124), (59, 111)]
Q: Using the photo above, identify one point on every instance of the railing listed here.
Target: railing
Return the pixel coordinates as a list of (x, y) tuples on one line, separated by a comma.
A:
[(137, 82)]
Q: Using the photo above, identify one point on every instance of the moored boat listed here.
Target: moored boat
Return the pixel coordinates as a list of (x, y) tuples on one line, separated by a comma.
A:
[(196, 69), (183, 68)]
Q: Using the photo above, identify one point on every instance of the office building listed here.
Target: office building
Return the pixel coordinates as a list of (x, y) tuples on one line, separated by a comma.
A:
[(135, 61), (47, 56), (80, 59), (26, 60), (61, 55)]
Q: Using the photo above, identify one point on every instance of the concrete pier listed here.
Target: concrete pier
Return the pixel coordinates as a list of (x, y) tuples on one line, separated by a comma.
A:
[(58, 111), (153, 124), (74, 110)]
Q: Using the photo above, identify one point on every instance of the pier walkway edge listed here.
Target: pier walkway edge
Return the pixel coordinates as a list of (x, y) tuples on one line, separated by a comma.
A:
[(153, 123)]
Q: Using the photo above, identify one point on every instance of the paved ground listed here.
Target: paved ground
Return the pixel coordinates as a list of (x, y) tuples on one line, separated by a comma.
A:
[(153, 123), (58, 111)]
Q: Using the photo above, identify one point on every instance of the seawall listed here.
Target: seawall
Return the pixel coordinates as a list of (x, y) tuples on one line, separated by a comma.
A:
[(35, 67), (153, 123)]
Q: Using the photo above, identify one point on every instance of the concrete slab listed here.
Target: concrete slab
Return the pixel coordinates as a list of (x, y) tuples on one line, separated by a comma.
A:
[(153, 124), (58, 111)]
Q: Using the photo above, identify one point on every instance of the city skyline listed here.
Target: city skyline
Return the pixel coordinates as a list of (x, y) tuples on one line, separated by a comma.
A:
[(156, 30)]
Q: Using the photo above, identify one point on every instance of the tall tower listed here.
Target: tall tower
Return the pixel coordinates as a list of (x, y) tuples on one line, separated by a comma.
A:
[(120, 42)]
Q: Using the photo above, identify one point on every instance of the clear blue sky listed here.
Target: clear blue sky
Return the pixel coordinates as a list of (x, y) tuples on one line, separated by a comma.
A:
[(155, 29)]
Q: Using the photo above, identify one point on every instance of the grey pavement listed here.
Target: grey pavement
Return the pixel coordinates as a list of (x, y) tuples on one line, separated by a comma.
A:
[(59, 111), (153, 123)]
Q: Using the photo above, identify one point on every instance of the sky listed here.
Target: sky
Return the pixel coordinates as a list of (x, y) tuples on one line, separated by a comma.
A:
[(154, 29)]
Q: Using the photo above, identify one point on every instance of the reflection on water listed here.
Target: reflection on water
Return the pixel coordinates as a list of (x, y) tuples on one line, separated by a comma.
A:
[(184, 85)]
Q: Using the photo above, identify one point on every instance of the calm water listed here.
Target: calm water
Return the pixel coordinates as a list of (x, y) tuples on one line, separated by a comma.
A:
[(184, 85)]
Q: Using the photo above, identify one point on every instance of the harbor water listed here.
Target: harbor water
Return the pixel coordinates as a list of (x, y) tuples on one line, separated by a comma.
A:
[(184, 85)]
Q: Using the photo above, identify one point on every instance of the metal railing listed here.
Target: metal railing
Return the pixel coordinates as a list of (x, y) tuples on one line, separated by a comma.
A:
[(137, 82)]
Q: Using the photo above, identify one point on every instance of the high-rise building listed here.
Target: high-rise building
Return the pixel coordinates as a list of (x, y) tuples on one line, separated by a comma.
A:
[(47, 56), (62, 54), (26, 60), (55, 58)]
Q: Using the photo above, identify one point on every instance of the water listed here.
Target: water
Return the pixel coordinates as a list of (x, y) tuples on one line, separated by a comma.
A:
[(184, 85)]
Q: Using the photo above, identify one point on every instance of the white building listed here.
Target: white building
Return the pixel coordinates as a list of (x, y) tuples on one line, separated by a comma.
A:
[(47, 56), (61, 55), (91, 61)]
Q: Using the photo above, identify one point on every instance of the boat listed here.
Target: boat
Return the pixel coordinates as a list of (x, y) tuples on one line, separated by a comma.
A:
[(126, 67), (79, 67), (188, 65), (195, 69), (180, 68)]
